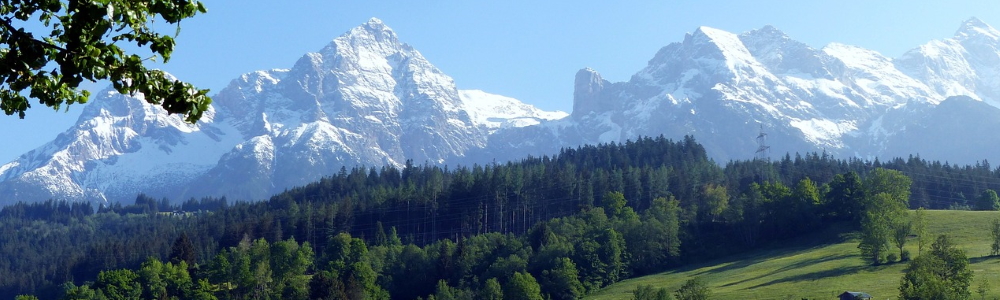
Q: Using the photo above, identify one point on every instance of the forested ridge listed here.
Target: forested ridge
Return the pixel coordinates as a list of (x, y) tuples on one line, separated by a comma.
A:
[(556, 227)]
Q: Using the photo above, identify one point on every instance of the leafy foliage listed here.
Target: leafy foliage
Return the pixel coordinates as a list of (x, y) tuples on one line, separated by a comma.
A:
[(876, 226), (920, 228), (606, 212), (944, 274), (693, 289), (80, 41), (154, 280), (562, 281), (522, 286), (988, 200), (492, 290), (886, 196), (995, 234), (647, 292)]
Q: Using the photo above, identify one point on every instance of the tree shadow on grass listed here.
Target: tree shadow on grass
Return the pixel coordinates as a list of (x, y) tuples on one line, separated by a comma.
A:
[(817, 275), (834, 234), (749, 260), (733, 265), (976, 260), (794, 266)]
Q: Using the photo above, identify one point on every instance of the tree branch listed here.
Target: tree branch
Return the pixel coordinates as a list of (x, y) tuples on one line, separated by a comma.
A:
[(6, 22)]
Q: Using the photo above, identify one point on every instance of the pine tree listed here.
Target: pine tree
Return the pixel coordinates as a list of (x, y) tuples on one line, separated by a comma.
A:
[(183, 250)]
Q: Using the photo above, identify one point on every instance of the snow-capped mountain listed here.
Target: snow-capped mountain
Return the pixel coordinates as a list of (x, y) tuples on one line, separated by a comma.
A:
[(120, 145), (724, 88), (366, 99), (967, 64)]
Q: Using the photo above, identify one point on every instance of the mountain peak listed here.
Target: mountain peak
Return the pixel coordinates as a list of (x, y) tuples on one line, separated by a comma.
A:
[(373, 30), (975, 22), (374, 21), (975, 27), (587, 92), (711, 33), (768, 31), (726, 46), (726, 41), (375, 25)]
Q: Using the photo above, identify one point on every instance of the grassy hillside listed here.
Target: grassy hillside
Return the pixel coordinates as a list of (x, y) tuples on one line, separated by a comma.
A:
[(824, 265)]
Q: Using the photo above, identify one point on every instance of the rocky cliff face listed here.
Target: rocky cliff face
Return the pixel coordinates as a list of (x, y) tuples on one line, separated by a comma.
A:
[(366, 99), (723, 88)]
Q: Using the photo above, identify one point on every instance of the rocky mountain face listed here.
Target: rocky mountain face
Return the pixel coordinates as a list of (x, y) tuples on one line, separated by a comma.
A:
[(366, 99), (120, 145), (725, 89)]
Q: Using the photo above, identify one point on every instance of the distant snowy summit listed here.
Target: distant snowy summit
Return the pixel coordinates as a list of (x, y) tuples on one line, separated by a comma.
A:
[(366, 99), (723, 88)]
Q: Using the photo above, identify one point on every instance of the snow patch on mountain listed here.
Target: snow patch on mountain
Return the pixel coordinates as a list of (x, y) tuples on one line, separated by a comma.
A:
[(120, 144), (368, 99), (365, 99), (876, 77), (825, 133), (734, 54), (495, 111), (723, 87)]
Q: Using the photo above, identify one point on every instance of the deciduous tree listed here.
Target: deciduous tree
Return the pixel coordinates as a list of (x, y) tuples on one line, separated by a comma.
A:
[(920, 228), (995, 232), (522, 286), (844, 200), (881, 213), (943, 274), (892, 182), (562, 282), (491, 290), (716, 200), (693, 289), (87, 40), (901, 229), (647, 292), (988, 200)]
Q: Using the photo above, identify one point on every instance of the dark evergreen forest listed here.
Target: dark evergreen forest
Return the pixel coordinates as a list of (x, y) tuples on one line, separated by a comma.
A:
[(544, 227)]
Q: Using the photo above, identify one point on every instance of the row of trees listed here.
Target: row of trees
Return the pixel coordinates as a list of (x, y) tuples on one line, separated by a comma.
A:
[(574, 255), (719, 211), (563, 258)]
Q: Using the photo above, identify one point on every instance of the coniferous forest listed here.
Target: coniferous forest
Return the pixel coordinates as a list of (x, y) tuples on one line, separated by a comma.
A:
[(554, 227)]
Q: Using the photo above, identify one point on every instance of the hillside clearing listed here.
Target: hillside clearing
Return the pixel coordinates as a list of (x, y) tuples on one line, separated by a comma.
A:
[(807, 268)]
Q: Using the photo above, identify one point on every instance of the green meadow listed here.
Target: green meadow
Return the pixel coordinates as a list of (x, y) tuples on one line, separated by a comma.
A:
[(825, 264)]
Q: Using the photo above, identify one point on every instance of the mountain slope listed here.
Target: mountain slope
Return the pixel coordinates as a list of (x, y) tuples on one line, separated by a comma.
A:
[(120, 145), (725, 89), (820, 265), (369, 99), (966, 64), (365, 99), (958, 127)]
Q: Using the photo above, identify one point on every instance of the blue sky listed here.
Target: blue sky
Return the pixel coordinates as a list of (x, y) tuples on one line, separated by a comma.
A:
[(528, 50)]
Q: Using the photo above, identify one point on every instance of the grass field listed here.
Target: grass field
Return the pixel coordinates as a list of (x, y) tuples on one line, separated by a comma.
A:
[(825, 265)]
